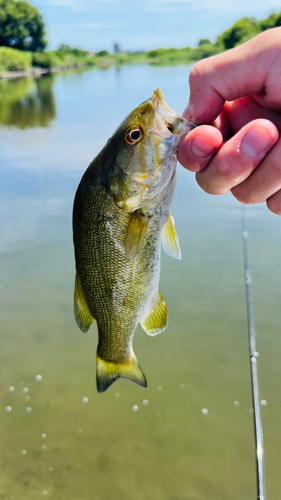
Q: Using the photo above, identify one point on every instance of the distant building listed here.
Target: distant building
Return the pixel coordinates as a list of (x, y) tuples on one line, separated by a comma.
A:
[(91, 53), (116, 48)]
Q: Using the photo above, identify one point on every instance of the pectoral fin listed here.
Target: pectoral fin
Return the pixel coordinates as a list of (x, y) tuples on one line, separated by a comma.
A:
[(156, 318), (82, 312), (136, 232), (108, 372), (170, 239)]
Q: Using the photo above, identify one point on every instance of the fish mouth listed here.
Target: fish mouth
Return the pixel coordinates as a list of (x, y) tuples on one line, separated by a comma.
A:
[(176, 124)]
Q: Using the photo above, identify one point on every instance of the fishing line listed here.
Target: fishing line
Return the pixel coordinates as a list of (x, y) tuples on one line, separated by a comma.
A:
[(260, 468)]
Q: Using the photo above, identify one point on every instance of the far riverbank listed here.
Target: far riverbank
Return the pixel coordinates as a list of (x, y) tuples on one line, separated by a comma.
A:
[(18, 64)]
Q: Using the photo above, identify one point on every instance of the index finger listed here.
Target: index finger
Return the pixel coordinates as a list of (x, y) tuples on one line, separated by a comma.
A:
[(244, 70)]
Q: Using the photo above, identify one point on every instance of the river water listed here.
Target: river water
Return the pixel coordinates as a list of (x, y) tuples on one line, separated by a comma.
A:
[(59, 438)]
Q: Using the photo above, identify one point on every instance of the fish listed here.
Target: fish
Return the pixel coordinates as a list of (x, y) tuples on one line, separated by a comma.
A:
[(121, 214)]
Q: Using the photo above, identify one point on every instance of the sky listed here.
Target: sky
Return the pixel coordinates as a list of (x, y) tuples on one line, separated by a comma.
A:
[(144, 24)]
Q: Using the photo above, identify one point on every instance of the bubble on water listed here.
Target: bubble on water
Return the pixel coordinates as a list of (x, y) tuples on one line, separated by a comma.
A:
[(158, 414), (251, 410), (253, 359), (23, 452), (117, 395), (11, 389), (50, 469), (241, 344), (145, 402), (64, 472), (8, 409), (45, 492), (249, 278), (159, 389), (28, 409), (85, 400), (25, 390), (80, 431), (43, 436), (38, 378), (182, 386), (263, 402), (237, 404), (27, 398), (135, 408), (205, 411), (256, 354), (44, 447)]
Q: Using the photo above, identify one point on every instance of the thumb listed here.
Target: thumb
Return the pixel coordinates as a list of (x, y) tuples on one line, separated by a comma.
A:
[(244, 70)]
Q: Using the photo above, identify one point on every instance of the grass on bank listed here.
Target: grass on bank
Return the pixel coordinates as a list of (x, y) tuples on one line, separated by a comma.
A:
[(16, 60)]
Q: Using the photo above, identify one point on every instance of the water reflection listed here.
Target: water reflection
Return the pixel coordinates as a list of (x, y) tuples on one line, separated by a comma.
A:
[(27, 102)]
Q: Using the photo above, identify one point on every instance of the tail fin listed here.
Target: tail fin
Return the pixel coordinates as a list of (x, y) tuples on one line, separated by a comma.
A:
[(108, 372)]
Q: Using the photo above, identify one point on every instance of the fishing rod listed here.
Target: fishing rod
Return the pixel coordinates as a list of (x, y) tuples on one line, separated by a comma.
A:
[(260, 468)]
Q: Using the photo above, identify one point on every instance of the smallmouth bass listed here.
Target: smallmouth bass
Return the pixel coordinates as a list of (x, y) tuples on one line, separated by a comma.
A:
[(121, 214)]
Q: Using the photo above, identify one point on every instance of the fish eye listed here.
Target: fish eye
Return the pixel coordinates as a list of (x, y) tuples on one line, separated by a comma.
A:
[(134, 135)]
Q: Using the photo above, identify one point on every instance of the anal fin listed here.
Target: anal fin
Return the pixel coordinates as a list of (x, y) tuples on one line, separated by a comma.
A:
[(83, 316), (170, 239), (108, 372), (156, 318)]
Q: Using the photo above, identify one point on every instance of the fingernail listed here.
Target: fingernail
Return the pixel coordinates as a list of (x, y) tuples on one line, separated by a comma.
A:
[(201, 147), (256, 142)]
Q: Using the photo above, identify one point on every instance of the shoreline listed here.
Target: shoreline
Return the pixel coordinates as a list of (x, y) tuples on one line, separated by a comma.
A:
[(36, 72)]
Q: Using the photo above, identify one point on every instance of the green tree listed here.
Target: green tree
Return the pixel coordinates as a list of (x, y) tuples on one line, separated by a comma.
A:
[(272, 21), (103, 53), (242, 30), (204, 41), (21, 26)]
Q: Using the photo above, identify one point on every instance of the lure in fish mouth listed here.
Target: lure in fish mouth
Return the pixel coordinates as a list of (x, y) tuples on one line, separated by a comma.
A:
[(121, 215)]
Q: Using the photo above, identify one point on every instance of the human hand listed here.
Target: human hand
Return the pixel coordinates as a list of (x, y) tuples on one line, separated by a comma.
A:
[(239, 94)]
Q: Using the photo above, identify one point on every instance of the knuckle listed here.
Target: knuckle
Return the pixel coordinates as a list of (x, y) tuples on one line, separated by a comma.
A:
[(198, 71), (226, 170), (195, 72), (203, 183), (203, 70), (274, 163), (244, 195), (274, 204)]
